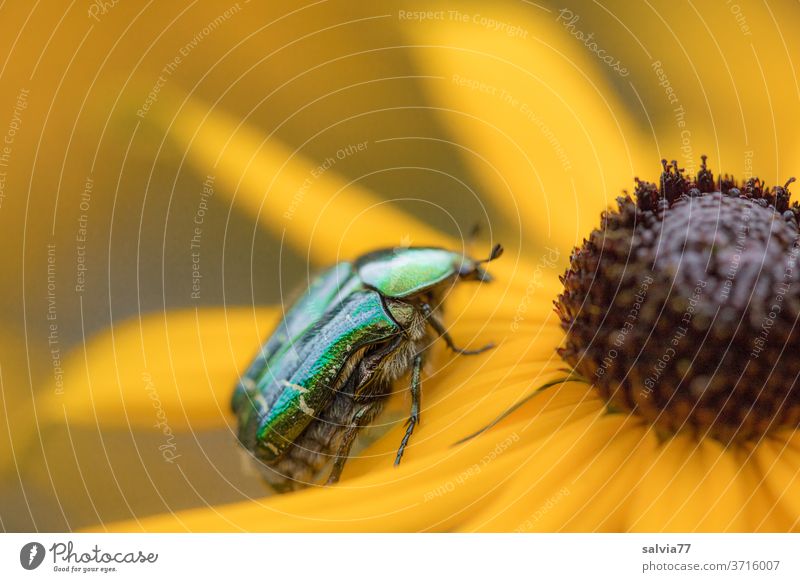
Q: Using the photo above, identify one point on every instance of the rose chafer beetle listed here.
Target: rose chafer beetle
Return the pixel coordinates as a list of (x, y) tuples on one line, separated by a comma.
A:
[(328, 368)]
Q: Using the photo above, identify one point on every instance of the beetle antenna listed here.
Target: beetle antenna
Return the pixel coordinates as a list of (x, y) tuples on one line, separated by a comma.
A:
[(472, 236), (497, 251)]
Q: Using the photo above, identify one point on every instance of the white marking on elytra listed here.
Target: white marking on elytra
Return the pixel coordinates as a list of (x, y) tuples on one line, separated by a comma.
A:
[(305, 407), (300, 389), (248, 384), (272, 448)]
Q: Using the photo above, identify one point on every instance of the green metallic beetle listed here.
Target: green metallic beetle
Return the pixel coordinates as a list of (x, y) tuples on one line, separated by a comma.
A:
[(328, 368)]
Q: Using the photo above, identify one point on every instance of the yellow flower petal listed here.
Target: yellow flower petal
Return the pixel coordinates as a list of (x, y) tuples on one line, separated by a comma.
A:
[(416, 496), (549, 463), (691, 486), (182, 366), (441, 427), (760, 508), (595, 497), (780, 467), (667, 498), (704, 494), (607, 506), (725, 494), (518, 294), (536, 118)]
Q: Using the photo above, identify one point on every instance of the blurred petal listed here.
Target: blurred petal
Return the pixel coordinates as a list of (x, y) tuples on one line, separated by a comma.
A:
[(542, 127), (729, 95), (18, 419), (318, 212), (181, 365)]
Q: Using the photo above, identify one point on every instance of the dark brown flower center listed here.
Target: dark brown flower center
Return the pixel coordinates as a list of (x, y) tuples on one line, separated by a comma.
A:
[(684, 306)]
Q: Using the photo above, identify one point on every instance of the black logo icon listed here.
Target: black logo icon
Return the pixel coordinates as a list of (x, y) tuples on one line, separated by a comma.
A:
[(31, 555)]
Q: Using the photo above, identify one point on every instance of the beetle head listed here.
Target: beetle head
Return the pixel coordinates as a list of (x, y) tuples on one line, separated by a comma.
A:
[(472, 271)]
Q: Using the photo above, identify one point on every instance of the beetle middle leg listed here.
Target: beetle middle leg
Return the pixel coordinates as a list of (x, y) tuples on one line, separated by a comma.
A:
[(360, 418), (438, 328), (416, 397)]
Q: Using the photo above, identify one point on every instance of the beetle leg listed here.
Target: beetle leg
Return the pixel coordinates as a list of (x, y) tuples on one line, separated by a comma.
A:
[(416, 397), (344, 448), (437, 326)]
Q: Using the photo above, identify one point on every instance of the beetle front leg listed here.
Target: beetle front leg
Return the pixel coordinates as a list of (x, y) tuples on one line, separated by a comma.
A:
[(416, 398), (438, 328)]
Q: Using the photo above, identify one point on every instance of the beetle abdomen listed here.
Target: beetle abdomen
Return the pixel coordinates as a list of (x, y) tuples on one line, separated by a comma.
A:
[(299, 381), (362, 394)]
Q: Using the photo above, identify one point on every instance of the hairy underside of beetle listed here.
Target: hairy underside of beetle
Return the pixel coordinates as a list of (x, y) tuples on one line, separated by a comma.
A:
[(360, 393)]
